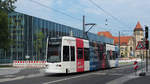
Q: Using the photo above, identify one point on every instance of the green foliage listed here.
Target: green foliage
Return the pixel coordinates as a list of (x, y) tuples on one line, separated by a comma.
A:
[(38, 42), (4, 31), (6, 6)]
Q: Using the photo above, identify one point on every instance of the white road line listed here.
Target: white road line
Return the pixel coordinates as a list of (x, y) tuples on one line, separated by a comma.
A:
[(20, 77), (117, 74), (67, 78), (11, 79), (99, 73), (9, 76)]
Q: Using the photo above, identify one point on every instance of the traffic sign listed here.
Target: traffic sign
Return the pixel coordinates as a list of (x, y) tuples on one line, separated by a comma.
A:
[(140, 45)]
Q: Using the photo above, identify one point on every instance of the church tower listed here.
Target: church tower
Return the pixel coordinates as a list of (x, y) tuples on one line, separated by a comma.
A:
[(138, 36), (138, 32)]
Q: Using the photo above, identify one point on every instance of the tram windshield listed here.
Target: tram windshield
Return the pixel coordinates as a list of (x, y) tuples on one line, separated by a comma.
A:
[(54, 50)]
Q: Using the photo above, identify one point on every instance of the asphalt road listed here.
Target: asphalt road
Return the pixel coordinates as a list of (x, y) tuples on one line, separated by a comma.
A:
[(96, 77), (140, 80)]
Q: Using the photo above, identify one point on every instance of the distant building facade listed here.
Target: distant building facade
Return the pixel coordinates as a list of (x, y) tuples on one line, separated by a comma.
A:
[(128, 43)]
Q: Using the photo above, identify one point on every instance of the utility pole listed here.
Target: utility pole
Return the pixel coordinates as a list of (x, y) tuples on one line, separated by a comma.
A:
[(83, 26), (87, 24), (119, 44), (146, 59), (147, 46)]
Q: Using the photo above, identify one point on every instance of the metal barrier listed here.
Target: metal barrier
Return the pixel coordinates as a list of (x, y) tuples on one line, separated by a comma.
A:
[(29, 64), (129, 60)]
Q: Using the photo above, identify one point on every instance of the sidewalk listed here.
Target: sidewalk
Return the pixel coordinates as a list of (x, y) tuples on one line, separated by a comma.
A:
[(9, 70), (131, 78), (9, 74), (140, 79)]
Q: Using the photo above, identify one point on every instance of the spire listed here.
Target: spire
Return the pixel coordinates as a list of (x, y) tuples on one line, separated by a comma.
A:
[(138, 27)]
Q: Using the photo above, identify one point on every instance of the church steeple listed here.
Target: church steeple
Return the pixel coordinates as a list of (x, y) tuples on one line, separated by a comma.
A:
[(138, 27), (138, 32)]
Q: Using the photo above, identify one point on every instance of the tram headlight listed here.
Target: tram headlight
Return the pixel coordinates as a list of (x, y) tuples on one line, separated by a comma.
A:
[(46, 66), (58, 65)]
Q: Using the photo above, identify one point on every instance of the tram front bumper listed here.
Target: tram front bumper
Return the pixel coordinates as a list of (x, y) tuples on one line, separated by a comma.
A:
[(48, 71)]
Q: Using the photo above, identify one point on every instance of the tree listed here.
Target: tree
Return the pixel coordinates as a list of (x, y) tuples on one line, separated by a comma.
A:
[(3, 29), (6, 6), (38, 43)]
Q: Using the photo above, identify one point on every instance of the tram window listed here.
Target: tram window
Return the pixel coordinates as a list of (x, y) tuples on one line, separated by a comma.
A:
[(109, 55), (101, 56), (80, 53), (114, 55), (86, 54), (72, 53), (66, 53)]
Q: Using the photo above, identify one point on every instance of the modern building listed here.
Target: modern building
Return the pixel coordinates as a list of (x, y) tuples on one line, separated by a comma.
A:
[(29, 36)]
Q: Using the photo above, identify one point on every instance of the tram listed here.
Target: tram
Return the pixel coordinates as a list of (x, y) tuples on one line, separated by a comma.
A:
[(70, 54)]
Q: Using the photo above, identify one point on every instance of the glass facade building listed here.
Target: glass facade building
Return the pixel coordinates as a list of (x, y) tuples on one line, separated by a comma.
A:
[(29, 36)]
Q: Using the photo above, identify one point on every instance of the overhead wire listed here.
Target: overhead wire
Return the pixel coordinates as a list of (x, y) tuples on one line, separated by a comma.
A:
[(75, 18), (102, 9)]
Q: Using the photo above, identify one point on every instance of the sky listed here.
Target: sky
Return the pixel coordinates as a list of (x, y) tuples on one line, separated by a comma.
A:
[(119, 15)]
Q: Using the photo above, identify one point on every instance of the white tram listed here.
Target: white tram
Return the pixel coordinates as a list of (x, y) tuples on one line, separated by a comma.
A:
[(69, 54)]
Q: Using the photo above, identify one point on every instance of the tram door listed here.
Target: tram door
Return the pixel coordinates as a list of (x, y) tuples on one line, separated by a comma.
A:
[(80, 55)]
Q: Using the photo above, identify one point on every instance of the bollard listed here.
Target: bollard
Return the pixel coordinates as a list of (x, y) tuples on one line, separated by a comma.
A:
[(135, 66)]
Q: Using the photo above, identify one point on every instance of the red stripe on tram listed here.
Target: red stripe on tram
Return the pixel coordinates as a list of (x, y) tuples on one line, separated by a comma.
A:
[(80, 61)]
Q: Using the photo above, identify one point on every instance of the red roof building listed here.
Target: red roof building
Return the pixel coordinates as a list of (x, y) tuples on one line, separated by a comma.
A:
[(123, 39), (105, 34), (127, 43)]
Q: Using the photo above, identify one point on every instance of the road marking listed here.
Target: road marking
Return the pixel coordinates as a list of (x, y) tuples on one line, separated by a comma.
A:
[(99, 73), (117, 74), (11, 79), (9, 76), (117, 68), (55, 81), (20, 77)]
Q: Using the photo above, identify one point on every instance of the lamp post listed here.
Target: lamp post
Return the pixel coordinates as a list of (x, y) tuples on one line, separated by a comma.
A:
[(147, 46)]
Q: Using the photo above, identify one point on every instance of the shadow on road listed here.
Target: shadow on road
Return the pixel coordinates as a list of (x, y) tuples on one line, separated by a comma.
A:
[(64, 75), (73, 74)]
